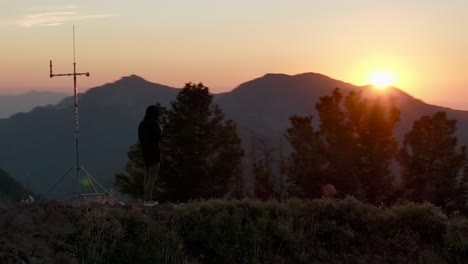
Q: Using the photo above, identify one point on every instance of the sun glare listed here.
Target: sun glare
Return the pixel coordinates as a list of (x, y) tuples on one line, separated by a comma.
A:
[(382, 79)]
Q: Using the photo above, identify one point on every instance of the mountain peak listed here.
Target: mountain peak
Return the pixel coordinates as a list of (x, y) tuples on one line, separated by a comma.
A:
[(132, 78), (127, 91), (304, 74)]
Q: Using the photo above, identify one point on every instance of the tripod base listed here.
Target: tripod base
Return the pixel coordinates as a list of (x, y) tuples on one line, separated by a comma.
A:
[(87, 197)]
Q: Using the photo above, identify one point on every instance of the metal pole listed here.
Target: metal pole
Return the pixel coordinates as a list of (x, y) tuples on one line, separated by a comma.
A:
[(78, 167), (77, 140), (75, 93)]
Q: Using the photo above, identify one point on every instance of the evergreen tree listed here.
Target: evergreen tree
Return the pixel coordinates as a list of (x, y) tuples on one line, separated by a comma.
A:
[(432, 163), (303, 167), (339, 144), (200, 151), (352, 151), (131, 182), (203, 151), (262, 157), (373, 121)]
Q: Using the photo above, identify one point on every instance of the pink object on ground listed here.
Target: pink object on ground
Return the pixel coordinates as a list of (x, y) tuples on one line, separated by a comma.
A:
[(328, 190)]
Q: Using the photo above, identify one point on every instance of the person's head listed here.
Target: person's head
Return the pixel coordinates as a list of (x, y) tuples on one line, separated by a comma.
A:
[(152, 112)]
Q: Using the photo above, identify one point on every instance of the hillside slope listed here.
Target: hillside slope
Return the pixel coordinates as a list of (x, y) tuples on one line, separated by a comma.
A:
[(41, 142)]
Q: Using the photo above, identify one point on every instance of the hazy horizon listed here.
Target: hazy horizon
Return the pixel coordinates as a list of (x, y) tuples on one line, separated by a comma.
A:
[(461, 105)]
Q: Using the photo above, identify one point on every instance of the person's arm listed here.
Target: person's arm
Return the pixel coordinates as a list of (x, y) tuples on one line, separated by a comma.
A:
[(158, 134), (140, 133)]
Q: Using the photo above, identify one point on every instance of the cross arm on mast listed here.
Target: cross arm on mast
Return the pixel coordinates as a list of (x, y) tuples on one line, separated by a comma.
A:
[(66, 74)]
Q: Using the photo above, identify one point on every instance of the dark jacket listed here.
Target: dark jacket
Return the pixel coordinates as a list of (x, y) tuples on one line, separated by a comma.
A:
[(149, 135)]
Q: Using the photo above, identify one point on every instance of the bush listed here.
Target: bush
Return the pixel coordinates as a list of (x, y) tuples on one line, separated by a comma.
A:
[(294, 231), (425, 220), (125, 237), (228, 232)]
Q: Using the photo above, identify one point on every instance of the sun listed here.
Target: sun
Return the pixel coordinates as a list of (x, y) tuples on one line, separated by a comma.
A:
[(382, 79)]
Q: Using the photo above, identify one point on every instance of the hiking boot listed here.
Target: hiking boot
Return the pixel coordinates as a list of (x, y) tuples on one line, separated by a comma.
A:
[(150, 203)]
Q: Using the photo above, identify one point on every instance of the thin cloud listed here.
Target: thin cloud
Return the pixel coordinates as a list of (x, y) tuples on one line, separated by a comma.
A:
[(71, 7), (52, 24), (50, 19)]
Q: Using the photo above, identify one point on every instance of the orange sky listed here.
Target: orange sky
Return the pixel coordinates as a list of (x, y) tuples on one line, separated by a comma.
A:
[(220, 43)]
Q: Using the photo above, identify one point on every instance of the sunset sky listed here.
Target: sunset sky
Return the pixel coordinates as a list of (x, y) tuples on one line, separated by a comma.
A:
[(423, 43)]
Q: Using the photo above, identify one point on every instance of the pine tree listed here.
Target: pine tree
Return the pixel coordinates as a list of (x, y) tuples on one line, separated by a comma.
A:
[(304, 164), (373, 121), (131, 182), (200, 151), (352, 150), (262, 157), (432, 164), (339, 144)]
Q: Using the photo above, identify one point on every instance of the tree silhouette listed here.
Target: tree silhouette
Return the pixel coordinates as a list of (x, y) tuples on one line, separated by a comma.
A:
[(262, 158), (200, 151), (432, 164), (304, 163), (339, 142), (373, 121), (352, 150), (131, 182)]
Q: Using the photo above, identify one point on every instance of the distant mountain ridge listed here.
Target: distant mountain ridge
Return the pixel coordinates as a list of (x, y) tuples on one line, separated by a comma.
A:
[(11, 104), (41, 142)]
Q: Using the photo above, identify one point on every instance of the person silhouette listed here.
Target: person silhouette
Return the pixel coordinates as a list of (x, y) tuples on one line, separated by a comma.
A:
[(149, 135)]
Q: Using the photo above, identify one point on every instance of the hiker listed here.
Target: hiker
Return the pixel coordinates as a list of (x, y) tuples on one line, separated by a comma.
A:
[(149, 135)]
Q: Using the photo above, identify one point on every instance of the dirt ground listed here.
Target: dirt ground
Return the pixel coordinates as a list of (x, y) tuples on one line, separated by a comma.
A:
[(35, 233)]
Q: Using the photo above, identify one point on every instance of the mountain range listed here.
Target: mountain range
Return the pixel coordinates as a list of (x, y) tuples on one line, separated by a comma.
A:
[(39, 144), (11, 104)]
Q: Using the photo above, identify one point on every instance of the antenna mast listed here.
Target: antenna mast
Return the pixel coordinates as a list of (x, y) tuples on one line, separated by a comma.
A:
[(75, 92), (78, 167)]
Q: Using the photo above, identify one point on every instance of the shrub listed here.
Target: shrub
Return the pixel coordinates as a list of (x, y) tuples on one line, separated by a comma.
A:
[(125, 237), (426, 220), (294, 231)]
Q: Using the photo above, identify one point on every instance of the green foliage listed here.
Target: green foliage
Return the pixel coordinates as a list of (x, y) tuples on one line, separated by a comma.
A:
[(425, 220), (242, 234), (269, 179), (352, 150), (96, 238), (339, 144), (10, 189), (373, 121), (294, 231), (122, 237), (303, 165), (316, 231), (131, 182), (456, 245), (432, 164), (267, 185), (200, 151)]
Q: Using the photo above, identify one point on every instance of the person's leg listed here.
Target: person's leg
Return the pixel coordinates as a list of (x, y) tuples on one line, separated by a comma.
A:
[(153, 176), (145, 183)]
